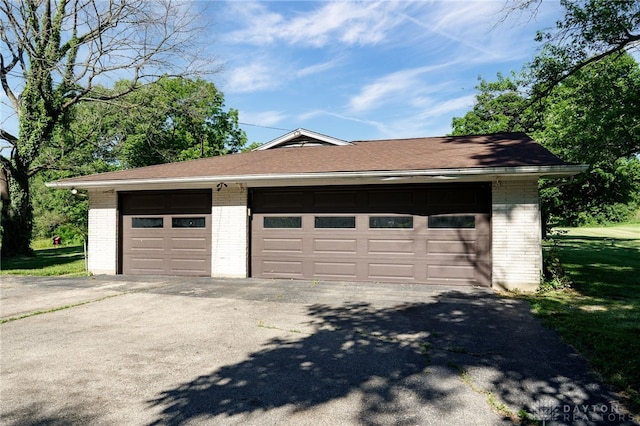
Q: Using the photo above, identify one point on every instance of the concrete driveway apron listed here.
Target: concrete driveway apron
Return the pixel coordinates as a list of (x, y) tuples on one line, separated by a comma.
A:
[(165, 350)]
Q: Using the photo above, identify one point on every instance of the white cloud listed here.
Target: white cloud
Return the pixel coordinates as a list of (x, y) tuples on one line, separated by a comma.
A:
[(318, 113), (406, 85), (439, 108), (263, 118), (357, 23), (251, 78), (317, 68)]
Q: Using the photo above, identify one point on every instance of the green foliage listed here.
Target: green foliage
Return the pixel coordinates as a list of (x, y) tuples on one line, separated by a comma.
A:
[(580, 97), (600, 314), (53, 52), (592, 117), (590, 31), (500, 107), (554, 276), (606, 193), (174, 120)]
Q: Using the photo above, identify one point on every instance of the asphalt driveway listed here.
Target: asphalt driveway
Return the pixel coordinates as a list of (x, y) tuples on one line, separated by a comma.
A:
[(155, 351)]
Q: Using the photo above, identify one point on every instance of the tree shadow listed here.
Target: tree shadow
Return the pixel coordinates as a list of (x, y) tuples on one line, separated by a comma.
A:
[(408, 364), (601, 267), (507, 150), (44, 258), (38, 414)]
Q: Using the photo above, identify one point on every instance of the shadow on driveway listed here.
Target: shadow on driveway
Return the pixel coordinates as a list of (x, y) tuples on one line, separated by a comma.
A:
[(467, 355)]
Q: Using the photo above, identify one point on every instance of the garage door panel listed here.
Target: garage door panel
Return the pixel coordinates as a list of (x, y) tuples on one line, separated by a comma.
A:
[(189, 266), (391, 271), (335, 246), (328, 200), (282, 245), (145, 243), (147, 265), (282, 267), (341, 270), (391, 247), (454, 272), (451, 248), (400, 199), (193, 244)]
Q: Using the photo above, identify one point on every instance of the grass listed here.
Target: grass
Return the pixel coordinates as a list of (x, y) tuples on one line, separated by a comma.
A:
[(47, 261), (599, 314)]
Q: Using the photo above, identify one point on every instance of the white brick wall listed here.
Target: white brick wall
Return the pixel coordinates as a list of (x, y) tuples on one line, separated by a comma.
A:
[(103, 221), (517, 250), (230, 233)]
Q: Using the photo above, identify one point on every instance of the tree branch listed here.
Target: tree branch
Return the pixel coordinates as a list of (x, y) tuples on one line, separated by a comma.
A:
[(6, 136)]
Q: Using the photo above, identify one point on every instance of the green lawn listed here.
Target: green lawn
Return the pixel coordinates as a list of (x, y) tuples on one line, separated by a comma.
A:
[(600, 314), (65, 260)]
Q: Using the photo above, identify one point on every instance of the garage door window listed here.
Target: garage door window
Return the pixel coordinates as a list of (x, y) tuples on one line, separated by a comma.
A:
[(456, 222), (187, 222), (283, 222), (404, 222), (343, 222), (147, 222)]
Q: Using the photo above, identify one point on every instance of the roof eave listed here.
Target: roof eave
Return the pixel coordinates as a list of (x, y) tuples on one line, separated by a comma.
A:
[(382, 176)]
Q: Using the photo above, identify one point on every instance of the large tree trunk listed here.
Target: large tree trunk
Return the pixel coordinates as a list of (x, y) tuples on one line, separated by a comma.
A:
[(38, 116), (17, 218)]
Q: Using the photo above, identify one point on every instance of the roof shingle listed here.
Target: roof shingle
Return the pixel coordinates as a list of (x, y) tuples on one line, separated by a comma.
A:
[(431, 153)]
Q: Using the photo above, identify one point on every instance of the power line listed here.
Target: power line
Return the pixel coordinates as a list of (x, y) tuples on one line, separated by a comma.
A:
[(265, 127)]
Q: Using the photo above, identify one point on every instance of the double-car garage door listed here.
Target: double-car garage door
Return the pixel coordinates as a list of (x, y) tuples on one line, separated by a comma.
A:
[(412, 234)]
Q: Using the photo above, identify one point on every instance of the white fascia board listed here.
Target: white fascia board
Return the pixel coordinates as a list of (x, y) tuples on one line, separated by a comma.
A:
[(364, 177), (301, 132)]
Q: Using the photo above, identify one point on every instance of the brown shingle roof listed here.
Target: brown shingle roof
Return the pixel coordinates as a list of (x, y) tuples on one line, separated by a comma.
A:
[(455, 152)]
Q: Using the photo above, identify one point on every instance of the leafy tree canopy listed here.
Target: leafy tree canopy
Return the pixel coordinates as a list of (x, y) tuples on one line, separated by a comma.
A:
[(592, 117), (176, 119), (590, 31), (53, 54)]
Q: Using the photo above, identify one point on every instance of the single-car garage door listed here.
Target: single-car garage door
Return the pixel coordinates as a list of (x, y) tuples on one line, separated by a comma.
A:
[(165, 232), (412, 234)]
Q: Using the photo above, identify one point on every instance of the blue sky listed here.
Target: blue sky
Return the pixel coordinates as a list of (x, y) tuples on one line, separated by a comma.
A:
[(358, 70), (364, 70)]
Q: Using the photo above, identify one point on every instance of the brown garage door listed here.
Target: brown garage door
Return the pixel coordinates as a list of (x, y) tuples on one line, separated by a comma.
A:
[(412, 234), (166, 233)]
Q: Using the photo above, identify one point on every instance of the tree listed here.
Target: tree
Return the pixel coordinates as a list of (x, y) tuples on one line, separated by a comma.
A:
[(589, 32), (592, 117), (500, 107), (174, 120), (55, 52)]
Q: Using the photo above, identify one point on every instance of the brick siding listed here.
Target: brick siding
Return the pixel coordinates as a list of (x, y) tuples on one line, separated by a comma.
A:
[(102, 247), (229, 249), (516, 248)]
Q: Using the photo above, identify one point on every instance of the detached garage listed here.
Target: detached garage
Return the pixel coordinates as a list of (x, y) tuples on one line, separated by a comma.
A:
[(446, 210)]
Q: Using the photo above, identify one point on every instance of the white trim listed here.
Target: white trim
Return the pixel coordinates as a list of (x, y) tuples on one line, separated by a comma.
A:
[(301, 132), (307, 179)]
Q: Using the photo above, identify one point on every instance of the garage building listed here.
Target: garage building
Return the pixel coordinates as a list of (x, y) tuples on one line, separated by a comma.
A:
[(439, 210)]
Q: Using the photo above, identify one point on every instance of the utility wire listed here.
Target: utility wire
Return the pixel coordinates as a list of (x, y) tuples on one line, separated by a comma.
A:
[(265, 127)]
